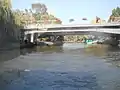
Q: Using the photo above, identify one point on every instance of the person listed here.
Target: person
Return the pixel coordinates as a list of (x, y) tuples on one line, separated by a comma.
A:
[(26, 41)]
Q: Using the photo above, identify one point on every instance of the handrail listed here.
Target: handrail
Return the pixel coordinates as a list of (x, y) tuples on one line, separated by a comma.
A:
[(65, 26)]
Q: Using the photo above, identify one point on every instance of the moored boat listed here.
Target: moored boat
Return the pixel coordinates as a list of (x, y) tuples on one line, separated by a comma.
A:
[(49, 43), (49, 40)]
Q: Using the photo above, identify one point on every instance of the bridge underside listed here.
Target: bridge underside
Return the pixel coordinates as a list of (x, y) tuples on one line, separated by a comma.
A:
[(77, 33), (100, 30), (67, 33), (33, 36)]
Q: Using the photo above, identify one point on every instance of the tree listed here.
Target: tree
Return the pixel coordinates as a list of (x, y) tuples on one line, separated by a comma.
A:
[(116, 12), (6, 21), (5, 11), (18, 17), (42, 16)]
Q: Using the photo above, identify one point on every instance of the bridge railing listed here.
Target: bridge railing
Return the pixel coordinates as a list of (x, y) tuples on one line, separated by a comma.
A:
[(40, 26), (102, 30)]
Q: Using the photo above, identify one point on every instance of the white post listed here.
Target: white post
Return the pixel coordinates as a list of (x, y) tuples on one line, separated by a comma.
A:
[(32, 37)]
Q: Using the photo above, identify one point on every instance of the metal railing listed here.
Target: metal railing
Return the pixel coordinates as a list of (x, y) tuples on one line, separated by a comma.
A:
[(40, 26)]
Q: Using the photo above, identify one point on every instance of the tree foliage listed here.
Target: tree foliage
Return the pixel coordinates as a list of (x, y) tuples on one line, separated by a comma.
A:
[(5, 11), (16, 18), (46, 18), (42, 16), (7, 23), (7, 16), (116, 12)]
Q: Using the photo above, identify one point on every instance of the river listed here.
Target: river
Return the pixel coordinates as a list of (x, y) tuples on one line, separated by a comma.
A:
[(71, 67)]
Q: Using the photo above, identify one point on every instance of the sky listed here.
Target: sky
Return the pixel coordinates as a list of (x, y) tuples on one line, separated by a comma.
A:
[(75, 9)]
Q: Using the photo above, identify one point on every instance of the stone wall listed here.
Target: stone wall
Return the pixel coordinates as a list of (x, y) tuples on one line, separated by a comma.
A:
[(9, 44), (8, 37), (73, 38)]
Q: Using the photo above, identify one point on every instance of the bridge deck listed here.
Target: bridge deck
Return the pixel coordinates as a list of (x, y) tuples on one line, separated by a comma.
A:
[(104, 28), (71, 26)]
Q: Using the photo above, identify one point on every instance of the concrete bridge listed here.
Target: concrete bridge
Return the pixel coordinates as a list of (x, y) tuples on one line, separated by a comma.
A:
[(108, 28)]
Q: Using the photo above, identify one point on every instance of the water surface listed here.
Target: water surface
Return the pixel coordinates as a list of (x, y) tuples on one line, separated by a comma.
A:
[(71, 67)]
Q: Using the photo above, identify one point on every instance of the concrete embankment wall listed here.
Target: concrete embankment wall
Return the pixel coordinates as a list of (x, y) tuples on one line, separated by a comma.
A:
[(8, 37), (9, 41)]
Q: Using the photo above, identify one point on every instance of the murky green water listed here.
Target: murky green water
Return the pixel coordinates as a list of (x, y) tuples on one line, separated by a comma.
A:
[(71, 67)]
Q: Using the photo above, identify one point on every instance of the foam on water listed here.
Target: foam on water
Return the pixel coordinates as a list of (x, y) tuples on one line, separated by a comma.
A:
[(73, 45)]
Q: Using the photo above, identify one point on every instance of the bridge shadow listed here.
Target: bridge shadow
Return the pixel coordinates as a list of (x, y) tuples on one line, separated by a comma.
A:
[(9, 54), (42, 49)]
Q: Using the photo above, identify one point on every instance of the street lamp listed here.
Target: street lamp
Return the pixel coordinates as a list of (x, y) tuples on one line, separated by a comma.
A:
[(85, 19)]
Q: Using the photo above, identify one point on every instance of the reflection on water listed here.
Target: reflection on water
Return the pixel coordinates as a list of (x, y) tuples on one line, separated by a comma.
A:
[(41, 49), (71, 67), (99, 50), (9, 54)]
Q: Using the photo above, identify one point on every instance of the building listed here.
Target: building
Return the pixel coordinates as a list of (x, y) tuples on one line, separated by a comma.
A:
[(98, 21), (114, 19)]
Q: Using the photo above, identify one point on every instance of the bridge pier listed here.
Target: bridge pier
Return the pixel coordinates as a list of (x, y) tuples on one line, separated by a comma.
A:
[(32, 38), (56, 39)]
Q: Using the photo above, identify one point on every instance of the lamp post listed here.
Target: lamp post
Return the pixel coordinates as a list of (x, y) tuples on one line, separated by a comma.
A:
[(84, 19)]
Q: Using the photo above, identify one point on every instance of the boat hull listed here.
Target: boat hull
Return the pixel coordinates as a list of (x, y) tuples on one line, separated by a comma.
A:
[(44, 43)]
